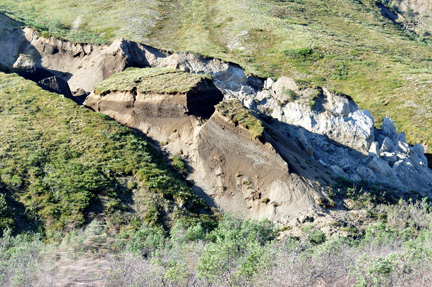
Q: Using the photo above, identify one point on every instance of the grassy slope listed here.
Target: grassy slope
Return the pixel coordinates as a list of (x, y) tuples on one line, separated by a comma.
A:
[(64, 164), (343, 44), (150, 80)]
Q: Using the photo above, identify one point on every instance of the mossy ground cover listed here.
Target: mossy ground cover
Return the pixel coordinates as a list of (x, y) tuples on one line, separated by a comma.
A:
[(60, 163), (239, 115), (345, 45), (150, 80)]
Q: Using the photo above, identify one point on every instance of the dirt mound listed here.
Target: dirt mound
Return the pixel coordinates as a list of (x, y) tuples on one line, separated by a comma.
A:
[(248, 176), (238, 162), (235, 163)]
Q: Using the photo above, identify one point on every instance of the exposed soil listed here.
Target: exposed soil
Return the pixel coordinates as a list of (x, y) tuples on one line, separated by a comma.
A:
[(272, 179)]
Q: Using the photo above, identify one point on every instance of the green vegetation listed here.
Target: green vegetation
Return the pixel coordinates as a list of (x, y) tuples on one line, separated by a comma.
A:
[(265, 200), (344, 45), (394, 249), (61, 165), (178, 164), (366, 195), (150, 80), (288, 96), (234, 110), (314, 97), (317, 237)]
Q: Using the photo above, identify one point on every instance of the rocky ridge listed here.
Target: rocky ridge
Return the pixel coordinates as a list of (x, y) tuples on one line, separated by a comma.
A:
[(313, 134), (341, 137)]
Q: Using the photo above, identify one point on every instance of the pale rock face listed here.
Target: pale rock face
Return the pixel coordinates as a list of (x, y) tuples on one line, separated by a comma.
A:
[(338, 104), (380, 167), (401, 136), (340, 136), (391, 158), (338, 171), (404, 147), (268, 84), (24, 62), (374, 148), (229, 78), (339, 119), (305, 143), (283, 83), (419, 149), (365, 172), (388, 128), (387, 145)]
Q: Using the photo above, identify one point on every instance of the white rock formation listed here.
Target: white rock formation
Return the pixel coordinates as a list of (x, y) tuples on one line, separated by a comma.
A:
[(339, 135)]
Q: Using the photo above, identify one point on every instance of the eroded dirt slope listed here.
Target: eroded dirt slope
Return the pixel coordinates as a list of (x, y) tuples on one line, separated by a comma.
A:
[(275, 175)]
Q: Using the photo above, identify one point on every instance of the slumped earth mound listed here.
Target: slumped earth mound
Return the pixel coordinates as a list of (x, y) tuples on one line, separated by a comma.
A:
[(269, 149)]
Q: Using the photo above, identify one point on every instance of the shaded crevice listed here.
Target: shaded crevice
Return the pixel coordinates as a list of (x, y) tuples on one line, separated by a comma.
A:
[(201, 101), (388, 13), (134, 93)]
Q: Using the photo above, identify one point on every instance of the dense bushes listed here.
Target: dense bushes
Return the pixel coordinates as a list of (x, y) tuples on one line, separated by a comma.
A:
[(396, 252), (236, 249), (391, 253)]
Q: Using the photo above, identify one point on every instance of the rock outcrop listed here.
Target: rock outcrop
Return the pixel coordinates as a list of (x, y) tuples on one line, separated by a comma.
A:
[(337, 134), (232, 158), (308, 136)]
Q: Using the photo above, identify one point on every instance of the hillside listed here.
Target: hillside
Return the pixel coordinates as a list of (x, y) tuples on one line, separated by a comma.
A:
[(348, 46), (212, 143), (413, 15), (317, 138), (62, 166)]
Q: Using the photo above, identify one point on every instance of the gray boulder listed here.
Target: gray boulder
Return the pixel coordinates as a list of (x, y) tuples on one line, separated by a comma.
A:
[(388, 128), (380, 166)]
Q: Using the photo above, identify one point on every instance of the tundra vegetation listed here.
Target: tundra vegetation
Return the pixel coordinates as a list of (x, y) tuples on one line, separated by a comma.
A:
[(239, 115), (62, 166), (392, 251), (150, 80), (75, 180), (347, 46)]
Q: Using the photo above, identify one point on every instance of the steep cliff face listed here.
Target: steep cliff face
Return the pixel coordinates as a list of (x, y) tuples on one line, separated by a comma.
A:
[(230, 157), (165, 104), (247, 173), (85, 65), (156, 93)]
